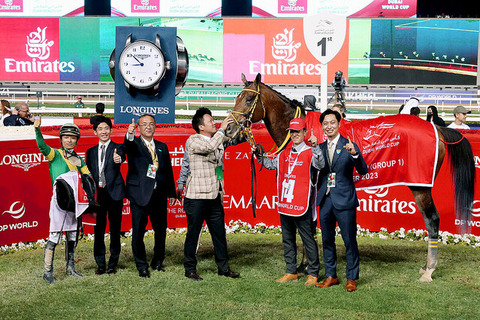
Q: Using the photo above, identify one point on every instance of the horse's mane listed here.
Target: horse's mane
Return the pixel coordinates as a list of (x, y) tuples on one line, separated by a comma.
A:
[(292, 103)]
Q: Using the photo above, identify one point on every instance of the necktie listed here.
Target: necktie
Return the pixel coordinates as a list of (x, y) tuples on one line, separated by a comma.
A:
[(102, 181), (154, 156), (331, 146)]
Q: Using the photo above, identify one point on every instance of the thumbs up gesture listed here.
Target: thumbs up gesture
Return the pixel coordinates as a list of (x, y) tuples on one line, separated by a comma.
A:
[(313, 139), (116, 157), (38, 122), (131, 127)]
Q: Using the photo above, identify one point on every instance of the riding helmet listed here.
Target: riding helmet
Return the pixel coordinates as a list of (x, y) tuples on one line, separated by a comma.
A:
[(70, 129)]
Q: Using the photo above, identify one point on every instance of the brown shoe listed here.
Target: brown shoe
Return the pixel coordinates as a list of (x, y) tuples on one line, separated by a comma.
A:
[(311, 280), (330, 281), (288, 277), (351, 286)]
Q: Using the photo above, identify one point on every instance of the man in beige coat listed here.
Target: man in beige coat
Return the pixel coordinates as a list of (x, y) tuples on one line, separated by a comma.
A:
[(204, 192)]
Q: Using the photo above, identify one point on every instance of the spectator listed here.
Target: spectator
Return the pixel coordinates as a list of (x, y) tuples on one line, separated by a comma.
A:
[(22, 118), (415, 111), (100, 108), (5, 111), (460, 114), (79, 103), (340, 109), (432, 116), (411, 103)]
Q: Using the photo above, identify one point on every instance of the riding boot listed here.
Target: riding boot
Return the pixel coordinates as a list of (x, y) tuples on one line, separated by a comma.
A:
[(69, 257), (48, 262)]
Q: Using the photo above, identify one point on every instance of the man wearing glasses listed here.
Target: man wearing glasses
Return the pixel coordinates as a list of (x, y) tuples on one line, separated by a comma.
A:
[(22, 118), (149, 183)]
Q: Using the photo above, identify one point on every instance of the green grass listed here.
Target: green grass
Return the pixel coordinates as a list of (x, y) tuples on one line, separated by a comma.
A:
[(388, 286)]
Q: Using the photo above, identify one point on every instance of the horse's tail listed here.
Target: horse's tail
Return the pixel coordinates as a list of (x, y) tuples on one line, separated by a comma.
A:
[(462, 168)]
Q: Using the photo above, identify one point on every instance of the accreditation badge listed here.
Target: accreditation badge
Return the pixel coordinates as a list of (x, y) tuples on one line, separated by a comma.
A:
[(152, 171), (332, 177)]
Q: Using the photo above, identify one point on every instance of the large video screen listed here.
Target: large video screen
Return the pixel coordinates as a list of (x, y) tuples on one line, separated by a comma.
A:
[(375, 51), (348, 8)]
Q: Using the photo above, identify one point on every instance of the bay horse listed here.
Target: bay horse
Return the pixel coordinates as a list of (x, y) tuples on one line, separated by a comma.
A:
[(258, 101)]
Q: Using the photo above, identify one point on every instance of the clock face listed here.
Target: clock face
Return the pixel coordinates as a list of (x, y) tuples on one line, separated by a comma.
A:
[(142, 64)]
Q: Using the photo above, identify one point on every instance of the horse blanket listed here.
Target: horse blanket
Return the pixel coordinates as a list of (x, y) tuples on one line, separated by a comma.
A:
[(398, 149)]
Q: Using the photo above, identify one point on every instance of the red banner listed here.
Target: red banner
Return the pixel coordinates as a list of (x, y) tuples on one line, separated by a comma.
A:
[(399, 149), (26, 188)]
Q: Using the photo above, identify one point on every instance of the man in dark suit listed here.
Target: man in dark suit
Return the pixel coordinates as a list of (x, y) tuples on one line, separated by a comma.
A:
[(338, 200), (149, 183), (104, 161)]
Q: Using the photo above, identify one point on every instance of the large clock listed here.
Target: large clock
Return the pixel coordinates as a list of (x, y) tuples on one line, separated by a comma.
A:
[(142, 65)]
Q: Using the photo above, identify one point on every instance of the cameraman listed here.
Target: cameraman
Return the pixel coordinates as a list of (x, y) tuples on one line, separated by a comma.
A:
[(339, 84)]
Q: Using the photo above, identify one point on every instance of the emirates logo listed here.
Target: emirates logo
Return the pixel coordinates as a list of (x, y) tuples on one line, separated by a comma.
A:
[(284, 47), (38, 46)]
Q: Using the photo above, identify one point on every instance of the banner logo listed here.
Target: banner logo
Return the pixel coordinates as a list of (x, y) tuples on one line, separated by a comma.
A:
[(284, 47), (15, 213), (380, 204), (37, 45), (292, 6), (145, 6), (12, 6), (23, 161)]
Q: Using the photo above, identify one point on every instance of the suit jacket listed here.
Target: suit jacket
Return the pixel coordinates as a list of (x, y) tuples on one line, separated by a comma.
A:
[(15, 120), (205, 156), (113, 177), (343, 195), (140, 187)]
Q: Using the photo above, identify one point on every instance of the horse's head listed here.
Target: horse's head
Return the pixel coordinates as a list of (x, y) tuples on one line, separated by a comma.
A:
[(248, 107)]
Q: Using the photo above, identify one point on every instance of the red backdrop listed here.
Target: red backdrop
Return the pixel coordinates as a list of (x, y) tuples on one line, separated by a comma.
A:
[(25, 188)]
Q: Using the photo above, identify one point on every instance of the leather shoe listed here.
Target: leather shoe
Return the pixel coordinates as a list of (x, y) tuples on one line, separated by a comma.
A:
[(100, 270), (144, 273), (193, 275), (229, 273), (330, 281), (112, 270), (311, 280), (288, 277), (351, 286)]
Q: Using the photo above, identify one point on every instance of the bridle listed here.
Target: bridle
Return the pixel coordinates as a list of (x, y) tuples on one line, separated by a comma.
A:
[(246, 126)]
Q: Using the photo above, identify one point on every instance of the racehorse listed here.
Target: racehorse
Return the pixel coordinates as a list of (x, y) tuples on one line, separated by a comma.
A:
[(258, 101)]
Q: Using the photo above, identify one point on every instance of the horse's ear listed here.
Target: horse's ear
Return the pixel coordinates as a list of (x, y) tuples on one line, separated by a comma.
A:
[(244, 79), (258, 78)]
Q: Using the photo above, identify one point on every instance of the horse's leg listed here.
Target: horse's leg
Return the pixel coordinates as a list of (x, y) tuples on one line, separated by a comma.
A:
[(424, 200)]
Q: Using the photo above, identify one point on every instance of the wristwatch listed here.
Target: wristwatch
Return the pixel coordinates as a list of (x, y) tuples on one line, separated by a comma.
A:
[(142, 65)]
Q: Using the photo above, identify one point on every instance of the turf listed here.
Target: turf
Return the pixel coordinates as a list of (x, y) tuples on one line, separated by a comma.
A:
[(388, 286)]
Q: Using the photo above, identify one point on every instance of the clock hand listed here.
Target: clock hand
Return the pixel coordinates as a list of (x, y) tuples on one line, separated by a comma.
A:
[(140, 63)]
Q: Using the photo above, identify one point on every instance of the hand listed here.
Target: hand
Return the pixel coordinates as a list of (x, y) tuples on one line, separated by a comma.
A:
[(313, 140), (38, 122), (171, 201), (226, 122), (179, 192), (350, 148), (116, 157), (131, 127)]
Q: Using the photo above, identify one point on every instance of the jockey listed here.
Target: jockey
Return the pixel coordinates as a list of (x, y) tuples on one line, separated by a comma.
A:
[(297, 173), (64, 165)]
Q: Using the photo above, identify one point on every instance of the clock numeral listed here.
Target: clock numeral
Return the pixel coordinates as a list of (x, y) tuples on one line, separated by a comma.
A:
[(158, 64), (141, 81), (127, 72), (142, 47), (125, 63)]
